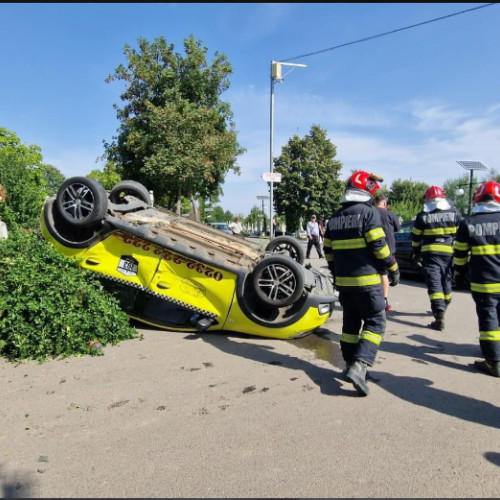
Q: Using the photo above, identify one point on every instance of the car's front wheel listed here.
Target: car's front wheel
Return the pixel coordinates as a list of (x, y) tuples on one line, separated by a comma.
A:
[(82, 202), (278, 280)]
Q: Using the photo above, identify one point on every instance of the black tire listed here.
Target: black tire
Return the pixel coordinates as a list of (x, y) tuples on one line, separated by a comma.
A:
[(82, 202), (287, 245), (278, 280), (133, 188)]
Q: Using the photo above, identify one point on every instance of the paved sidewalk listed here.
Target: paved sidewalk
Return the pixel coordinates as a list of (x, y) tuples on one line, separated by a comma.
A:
[(228, 416)]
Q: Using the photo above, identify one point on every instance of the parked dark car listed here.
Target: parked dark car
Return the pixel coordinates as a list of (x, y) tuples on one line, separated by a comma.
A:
[(403, 250), (407, 266)]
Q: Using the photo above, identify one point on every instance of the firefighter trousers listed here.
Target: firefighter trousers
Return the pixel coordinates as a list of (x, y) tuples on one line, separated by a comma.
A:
[(488, 314), (363, 324), (438, 270)]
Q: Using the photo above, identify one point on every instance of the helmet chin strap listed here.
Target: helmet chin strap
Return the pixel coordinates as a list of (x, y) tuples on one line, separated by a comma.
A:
[(487, 206), (357, 195), (436, 203)]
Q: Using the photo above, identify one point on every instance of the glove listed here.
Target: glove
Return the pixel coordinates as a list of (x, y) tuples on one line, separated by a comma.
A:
[(394, 277), (417, 260)]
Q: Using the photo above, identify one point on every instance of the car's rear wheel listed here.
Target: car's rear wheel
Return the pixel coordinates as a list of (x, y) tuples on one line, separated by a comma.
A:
[(287, 245), (82, 202), (278, 280), (133, 188)]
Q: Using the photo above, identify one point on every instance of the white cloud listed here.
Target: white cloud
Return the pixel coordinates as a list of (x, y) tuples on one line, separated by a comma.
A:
[(420, 140)]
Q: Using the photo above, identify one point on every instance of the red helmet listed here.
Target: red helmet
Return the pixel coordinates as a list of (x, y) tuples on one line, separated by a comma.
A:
[(434, 192), (489, 191), (364, 181)]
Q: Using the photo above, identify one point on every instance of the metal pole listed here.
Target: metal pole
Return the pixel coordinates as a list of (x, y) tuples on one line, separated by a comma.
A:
[(470, 192), (271, 162), (264, 217)]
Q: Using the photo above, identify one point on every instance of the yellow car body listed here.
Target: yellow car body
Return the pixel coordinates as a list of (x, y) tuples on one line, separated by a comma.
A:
[(178, 274)]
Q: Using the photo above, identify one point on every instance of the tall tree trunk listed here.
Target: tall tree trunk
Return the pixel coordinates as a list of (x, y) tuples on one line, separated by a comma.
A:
[(194, 207)]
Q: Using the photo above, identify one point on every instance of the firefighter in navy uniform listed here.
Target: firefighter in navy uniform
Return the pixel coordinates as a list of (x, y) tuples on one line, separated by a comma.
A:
[(477, 252), (356, 251), (433, 234)]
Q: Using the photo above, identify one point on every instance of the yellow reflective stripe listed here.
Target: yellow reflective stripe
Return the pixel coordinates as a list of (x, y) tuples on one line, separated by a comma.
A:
[(493, 336), (437, 248), (394, 267), (461, 261), (373, 337), (436, 296), (485, 287), (416, 232), (447, 296), (416, 244), (459, 245), (349, 338), (327, 243), (369, 279), (383, 252), (348, 244), (486, 250), (374, 234), (440, 230)]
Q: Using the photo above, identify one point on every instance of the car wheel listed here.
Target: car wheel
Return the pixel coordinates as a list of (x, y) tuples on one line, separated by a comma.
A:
[(133, 188), (287, 245), (278, 280), (82, 202)]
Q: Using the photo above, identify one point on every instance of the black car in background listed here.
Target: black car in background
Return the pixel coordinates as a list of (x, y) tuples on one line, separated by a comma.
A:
[(406, 264), (403, 251)]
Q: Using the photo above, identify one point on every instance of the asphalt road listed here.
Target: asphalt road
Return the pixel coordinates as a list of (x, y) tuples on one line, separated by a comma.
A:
[(228, 416)]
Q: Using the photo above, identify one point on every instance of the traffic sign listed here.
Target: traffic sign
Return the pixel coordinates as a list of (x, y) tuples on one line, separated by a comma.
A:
[(271, 176)]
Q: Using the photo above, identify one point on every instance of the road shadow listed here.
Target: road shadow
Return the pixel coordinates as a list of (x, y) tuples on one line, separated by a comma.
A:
[(420, 392), (394, 317), (493, 457), (264, 351), (426, 349), (425, 352), (19, 488)]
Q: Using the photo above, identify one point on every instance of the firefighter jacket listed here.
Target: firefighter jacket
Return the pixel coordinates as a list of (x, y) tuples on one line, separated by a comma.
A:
[(477, 247), (355, 247), (434, 232)]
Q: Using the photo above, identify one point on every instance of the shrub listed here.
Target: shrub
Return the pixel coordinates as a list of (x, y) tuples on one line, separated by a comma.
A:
[(49, 306)]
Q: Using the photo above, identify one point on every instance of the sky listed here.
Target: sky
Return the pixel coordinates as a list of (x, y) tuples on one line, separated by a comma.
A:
[(404, 105)]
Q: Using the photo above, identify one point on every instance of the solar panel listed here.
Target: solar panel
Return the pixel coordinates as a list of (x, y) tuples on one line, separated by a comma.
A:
[(472, 165)]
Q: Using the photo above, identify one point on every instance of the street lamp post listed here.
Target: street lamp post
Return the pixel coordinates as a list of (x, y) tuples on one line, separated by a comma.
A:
[(276, 77), (263, 197), (471, 166)]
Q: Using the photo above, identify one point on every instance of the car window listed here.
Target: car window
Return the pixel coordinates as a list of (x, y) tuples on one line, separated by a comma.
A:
[(404, 233)]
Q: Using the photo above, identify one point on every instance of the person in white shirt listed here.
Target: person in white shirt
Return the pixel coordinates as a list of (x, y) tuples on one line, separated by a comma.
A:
[(312, 230), (236, 226)]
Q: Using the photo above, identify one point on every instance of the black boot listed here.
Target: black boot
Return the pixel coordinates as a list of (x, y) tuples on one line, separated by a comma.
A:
[(356, 374), (489, 367), (438, 324)]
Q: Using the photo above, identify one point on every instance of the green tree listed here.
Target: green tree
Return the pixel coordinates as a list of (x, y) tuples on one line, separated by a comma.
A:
[(405, 197), (309, 182), (176, 135), (26, 180), (108, 177), (255, 218), (218, 215)]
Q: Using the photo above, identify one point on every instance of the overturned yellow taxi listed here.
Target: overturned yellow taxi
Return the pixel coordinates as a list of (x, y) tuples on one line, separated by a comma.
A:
[(179, 274)]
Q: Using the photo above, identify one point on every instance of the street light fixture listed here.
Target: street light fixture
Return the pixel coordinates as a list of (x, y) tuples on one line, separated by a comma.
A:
[(471, 166), (276, 77)]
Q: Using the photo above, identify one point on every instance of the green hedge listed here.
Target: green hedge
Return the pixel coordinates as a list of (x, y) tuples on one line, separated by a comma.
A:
[(51, 307)]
